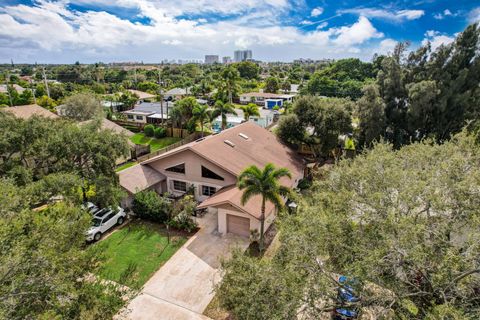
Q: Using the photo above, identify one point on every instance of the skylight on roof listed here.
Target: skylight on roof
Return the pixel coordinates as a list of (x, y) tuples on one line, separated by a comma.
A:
[(230, 143), (243, 135)]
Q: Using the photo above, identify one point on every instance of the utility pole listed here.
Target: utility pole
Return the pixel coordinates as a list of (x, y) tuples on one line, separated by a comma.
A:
[(33, 92), (45, 81), (7, 78), (135, 76), (160, 91)]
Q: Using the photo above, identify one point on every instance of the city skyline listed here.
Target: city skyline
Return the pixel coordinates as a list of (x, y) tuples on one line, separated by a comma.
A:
[(47, 31)]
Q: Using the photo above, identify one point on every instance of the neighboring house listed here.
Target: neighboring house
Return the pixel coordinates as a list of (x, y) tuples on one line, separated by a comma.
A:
[(232, 121), (177, 93), (209, 167), (264, 120), (260, 98), (16, 87), (149, 112), (294, 88), (115, 106), (143, 95), (27, 111)]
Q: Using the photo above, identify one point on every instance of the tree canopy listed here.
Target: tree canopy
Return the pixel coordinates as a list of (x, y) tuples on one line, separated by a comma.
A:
[(47, 167), (430, 93), (403, 224)]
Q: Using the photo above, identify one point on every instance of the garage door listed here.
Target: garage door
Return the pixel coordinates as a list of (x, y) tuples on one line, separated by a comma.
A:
[(238, 225)]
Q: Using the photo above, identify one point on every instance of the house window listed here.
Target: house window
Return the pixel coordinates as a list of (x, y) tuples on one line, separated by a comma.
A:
[(208, 191), (139, 117), (179, 185), (207, 173), (129, 116), (179, 168)]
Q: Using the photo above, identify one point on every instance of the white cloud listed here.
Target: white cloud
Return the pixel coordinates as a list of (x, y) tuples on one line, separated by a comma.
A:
[(436, 39), (51, 32), (306, 22), (394, 16), (322, 25), (386, 46), (316, 12), (358, 33), (445, 13), (474, 15)]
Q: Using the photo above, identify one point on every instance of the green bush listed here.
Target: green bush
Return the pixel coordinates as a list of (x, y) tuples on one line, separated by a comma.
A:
[(150, 206), (149, 130), (182, 215), (304, 184), (160, 132)]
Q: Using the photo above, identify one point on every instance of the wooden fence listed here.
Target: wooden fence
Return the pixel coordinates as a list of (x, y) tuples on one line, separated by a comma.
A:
[(171, 132), (192, 137)]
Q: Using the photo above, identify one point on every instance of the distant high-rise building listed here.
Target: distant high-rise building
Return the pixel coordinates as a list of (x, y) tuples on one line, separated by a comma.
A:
[(211, 59), (226, 60), (242, 55)]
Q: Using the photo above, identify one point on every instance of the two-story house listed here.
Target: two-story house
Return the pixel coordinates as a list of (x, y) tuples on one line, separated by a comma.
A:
[(210, 166)]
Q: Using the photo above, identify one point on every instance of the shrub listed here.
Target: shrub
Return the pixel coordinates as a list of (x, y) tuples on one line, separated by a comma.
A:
[(304, 184), (149, 130), (182, 214), (160, 132), (149, 205)]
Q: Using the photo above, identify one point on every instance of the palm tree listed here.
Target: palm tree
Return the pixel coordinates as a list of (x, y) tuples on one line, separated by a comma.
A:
[(249, 110), (265, 183), (175, 117), (202, 115), (223, 109), (159, 98), (230, 76)]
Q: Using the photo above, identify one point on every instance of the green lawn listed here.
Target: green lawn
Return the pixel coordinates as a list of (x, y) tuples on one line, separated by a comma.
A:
[(155, 144), (125, 166), (133, 253)]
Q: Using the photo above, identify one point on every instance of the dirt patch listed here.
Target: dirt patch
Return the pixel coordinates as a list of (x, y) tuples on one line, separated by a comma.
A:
[(253, 249), (216, 312)]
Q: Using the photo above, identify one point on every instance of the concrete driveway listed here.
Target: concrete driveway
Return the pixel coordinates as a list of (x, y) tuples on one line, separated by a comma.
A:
[(183, 287)]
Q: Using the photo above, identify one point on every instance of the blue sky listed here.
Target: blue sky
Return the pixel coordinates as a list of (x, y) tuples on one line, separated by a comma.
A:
[(64, 31)]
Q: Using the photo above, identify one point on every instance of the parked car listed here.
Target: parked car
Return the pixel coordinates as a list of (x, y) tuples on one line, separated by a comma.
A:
[(103, 220), (347, 299)]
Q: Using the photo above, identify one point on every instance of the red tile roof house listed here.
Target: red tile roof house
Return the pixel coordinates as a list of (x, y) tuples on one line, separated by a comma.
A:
[(211, 165)]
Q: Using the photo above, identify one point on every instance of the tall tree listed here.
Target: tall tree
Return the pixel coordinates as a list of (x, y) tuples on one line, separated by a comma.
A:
[(222, 109), (272, 85), (265, 184), (203, 115), (230, 77), (371, 113), (248, 70), (82, 107), (44, 264), (402, 224), (250, 110)]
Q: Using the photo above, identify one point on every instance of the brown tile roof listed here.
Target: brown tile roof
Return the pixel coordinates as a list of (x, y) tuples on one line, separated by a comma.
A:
[(27, 111), (139, 178), (142, 95), (233, 196), (259, 148)]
